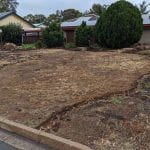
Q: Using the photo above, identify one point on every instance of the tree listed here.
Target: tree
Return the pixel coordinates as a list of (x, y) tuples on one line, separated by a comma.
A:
[(120, 26), (8, 5), (83, 35), (29, 18), (55, 17), (143, 8), (38, 18), (70, 14), (12, 33), (97, 9), (52, 36)]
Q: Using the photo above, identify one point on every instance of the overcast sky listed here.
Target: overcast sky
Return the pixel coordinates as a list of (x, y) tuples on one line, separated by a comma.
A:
[(47, 7)]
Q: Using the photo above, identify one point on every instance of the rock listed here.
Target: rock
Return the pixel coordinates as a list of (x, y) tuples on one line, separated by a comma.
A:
[(147, 47), (55, 125), (128, 50), (140, 47), (9, 47)]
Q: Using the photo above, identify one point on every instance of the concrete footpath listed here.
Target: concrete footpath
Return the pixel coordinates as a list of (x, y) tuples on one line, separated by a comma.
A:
[(11, 141), (18, 136), (4, 146)]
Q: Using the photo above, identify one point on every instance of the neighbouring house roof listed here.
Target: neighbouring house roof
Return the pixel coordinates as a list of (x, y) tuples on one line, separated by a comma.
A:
[(39, 25), (146, 19), (90, 21), (6, 14), (32, 30)]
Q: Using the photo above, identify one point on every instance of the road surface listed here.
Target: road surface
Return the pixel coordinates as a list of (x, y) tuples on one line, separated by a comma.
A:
[(4, 146), (11, 141)]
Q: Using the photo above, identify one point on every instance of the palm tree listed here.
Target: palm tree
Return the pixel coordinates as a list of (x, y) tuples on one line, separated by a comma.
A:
[(143, 8)]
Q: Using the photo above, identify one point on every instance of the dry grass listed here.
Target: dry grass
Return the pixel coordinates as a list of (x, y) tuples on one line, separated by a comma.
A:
[(34, 84)]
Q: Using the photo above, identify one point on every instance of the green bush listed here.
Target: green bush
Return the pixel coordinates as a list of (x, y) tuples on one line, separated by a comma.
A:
[(39, 44), (83, 35), (12, 33), (119, 26), (52, 36), (70, 45)]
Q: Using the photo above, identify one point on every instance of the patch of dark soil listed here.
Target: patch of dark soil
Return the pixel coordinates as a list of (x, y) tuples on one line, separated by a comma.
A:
[(118, 122)]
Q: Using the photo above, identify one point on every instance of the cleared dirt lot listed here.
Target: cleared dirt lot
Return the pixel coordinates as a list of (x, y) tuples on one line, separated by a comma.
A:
[(35, 84), (117, 122)]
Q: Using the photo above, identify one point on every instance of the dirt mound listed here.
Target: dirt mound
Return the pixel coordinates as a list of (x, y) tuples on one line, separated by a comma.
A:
[(9, 47)]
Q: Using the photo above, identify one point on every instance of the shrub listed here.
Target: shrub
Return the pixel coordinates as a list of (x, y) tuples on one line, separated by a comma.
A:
[(39, 44), (12, 33), (119, 26), (83, 35), (52, 36), (70, 45)]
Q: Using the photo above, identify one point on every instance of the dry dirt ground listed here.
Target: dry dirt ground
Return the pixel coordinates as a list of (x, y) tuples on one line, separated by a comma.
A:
[(36, 84), (117, 122)]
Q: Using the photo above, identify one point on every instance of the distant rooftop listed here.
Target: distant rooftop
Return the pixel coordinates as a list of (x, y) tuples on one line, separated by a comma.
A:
[(39, 25), (89, 19), (146, 19), (92, 19)]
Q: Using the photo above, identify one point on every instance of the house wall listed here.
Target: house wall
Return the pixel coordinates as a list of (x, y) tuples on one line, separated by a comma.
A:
[(145, 37), (14, 19), (69, 35)]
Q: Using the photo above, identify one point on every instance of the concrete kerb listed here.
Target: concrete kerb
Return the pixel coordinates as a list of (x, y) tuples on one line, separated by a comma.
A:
[(41, 137)]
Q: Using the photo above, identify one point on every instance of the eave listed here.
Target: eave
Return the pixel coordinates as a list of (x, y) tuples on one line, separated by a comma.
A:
[(146, 26)]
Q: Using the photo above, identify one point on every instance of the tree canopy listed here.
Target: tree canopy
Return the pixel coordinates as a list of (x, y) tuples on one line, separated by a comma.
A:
[(83, 35), (70, 14), (52, 36), (120, 26), (38, 18), (98, 9), (55, 17), (8, 5), (144, 8)]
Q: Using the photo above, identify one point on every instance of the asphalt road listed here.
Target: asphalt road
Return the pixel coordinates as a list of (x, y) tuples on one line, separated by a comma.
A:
[(4, 146)]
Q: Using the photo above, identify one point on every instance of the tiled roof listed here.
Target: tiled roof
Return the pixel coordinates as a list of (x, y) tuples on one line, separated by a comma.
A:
[(90, 21), (4, 14)]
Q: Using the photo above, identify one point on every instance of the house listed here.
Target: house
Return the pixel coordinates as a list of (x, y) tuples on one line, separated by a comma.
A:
[(30, 32), (40, 25), (11, 17), (70, 26), (146, 32)]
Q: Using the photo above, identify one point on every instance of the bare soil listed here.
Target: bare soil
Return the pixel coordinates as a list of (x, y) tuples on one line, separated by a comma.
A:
[(36, 84), (117, 122)]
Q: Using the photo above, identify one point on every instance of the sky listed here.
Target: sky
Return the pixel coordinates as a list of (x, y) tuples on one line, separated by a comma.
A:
[(47, 7)]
